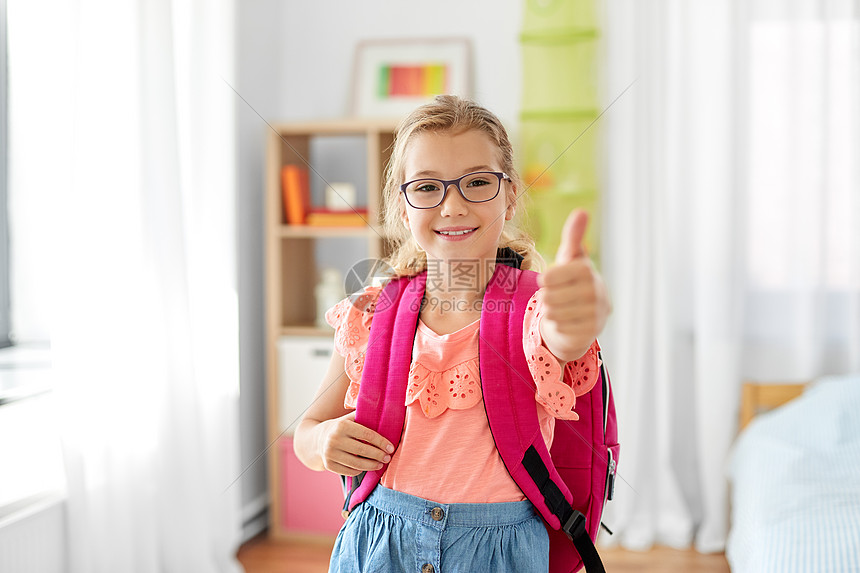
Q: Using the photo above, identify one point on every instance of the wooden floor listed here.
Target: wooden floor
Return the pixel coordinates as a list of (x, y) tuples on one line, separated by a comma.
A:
[(262, 555)]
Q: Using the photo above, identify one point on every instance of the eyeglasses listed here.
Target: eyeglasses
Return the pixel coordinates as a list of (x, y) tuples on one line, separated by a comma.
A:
[(476, 187)]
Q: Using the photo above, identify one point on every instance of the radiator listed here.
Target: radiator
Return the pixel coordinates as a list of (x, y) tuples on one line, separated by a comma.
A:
[(32, 505), (33, 535)]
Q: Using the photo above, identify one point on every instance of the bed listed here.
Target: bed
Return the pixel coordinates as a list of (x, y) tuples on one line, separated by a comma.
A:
[(795, 479)]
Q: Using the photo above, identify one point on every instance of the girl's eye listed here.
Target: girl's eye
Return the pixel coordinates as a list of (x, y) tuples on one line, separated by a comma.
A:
[(426, 187), (477, 183)]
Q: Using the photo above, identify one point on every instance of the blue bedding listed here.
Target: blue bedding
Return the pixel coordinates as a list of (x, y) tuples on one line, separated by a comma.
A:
[(795, 477)]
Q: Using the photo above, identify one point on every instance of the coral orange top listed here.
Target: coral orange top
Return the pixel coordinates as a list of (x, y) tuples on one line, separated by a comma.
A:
[(446, 452)]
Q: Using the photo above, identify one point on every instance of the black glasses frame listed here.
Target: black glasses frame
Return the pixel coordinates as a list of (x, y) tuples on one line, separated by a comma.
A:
[(446, 183)]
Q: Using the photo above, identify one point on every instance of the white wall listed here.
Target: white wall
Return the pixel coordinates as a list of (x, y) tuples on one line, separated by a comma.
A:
[(294, 63)]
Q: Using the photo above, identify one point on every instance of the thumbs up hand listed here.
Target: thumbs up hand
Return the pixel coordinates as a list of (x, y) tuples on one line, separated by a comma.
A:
[(576, 303)]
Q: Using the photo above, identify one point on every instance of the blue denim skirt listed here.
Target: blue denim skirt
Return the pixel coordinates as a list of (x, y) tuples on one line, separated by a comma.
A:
[(394, 531)]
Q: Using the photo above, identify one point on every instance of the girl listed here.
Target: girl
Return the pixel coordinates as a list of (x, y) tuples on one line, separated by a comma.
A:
[(450, 195)]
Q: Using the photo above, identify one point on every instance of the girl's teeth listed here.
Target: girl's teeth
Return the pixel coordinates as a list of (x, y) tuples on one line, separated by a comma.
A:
[(456, 232)]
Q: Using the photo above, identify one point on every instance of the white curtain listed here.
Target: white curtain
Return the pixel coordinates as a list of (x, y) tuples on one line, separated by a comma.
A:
[(731, 233), (144, 329)]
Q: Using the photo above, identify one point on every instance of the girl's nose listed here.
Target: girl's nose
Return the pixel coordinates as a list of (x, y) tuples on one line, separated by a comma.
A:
[(454, 204)]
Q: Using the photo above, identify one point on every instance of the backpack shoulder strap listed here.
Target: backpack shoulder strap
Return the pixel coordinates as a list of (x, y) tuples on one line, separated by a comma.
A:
[(380, 405), (509, 390), (509, 398)]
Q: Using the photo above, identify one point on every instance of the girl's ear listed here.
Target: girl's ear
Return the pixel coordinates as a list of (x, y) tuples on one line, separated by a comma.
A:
[(403, 216), (511, 209)]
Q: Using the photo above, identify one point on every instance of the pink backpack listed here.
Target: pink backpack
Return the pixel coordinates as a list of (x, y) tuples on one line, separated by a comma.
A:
[(569, 485)]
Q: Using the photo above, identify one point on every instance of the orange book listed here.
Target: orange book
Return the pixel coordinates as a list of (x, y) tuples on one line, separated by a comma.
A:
[(296, 193), (329, 218)]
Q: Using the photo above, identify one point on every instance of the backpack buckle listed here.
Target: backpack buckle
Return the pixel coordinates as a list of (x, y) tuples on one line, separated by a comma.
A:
[(574, 526)]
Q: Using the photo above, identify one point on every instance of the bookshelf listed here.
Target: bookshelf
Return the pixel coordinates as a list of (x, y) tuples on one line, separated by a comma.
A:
[(291, 256)]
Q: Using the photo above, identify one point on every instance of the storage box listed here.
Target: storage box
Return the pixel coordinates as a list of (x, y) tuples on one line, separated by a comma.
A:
[(302, 363), (311, 502)]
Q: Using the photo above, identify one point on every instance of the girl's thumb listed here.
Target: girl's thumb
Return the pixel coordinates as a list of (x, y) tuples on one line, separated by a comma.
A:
[(572, 235)]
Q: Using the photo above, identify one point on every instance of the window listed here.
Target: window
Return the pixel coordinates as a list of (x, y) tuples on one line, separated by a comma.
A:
[(5, 309), (803, 137), (29, 439), (803, 149)]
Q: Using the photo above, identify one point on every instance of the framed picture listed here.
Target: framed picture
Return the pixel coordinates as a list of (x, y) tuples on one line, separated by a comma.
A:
[(391, 77)]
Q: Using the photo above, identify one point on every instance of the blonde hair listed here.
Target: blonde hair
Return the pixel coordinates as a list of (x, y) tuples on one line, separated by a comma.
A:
[(447, 113)]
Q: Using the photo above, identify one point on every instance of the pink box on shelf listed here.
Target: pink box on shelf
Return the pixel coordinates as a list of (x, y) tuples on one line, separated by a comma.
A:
[(311, 502)]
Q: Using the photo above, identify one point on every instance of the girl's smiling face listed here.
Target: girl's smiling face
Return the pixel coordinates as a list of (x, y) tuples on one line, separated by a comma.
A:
[(447, 155)]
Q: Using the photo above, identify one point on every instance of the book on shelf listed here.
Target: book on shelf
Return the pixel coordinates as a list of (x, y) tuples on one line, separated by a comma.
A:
[(296, 193), (336, 218)]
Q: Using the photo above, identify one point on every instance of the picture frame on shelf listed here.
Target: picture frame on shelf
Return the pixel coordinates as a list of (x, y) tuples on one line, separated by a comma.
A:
[(392, 77)]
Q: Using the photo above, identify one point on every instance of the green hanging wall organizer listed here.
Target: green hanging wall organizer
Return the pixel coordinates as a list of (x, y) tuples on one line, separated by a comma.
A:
[(558, 132), (559, 71), (543, 16)]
